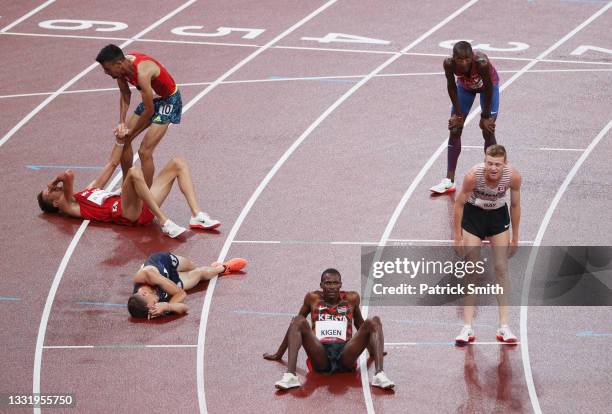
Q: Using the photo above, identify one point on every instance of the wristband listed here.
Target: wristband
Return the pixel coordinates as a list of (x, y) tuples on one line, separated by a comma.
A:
[(118, 144)]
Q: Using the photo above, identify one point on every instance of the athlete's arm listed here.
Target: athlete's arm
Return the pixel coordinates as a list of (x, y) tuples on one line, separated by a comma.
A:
[(467, 186), (487, 122), (355, 300), (124, 104), (146, 71), (67, 204), (515, 205), (304, 311), (150, 275), (109, 168), (456, 120)]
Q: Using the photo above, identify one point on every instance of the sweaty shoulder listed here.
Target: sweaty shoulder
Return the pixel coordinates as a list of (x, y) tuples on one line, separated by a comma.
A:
[(313, 297), (148, 67), (353, 297), (515, 177)]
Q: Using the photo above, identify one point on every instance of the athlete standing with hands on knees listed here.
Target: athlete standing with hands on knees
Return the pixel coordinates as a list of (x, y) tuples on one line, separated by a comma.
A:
[(475, 74)]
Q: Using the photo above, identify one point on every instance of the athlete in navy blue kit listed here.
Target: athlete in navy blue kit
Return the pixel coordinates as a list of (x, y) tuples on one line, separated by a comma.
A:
[(475, 75), (161, 282)]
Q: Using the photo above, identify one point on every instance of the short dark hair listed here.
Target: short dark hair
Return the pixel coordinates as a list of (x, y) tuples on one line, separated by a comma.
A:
[(137, 306), (45, 205), (110, 53), (330, 271), (462, 46)]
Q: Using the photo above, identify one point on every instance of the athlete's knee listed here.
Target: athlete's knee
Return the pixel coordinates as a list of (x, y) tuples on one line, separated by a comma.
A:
[(145, 153), (368, 325), (179, 163), (376, 320), (135, 173), (298, 322)]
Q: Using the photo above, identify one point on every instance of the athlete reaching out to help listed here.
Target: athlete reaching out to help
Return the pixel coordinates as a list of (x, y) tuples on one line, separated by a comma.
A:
[(155, 113), (475, 75)]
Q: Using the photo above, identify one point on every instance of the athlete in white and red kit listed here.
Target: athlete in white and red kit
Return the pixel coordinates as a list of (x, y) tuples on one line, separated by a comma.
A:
[(329, 342), (481, 212)]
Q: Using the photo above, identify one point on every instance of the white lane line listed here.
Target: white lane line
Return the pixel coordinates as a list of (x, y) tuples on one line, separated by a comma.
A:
[(532, 257), (358, 243), (26, 16), (384, 238), (120, 346), (262, 185), (72, 81), (479, 147), (42, 329), (305, 48), (402, 344), (228, 241), (308, 78)]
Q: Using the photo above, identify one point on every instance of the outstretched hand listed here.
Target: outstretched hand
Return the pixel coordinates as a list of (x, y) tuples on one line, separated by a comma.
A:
[(272, 357)]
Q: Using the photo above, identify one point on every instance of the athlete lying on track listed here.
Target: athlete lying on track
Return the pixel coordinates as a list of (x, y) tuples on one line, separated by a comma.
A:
[(161, 282), (136, 204)]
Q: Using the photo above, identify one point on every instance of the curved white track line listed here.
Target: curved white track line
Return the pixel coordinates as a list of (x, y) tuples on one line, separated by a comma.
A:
[(213, 282), (42, 328), (262, 186), (532, 257), (72, 81), (394, 217)]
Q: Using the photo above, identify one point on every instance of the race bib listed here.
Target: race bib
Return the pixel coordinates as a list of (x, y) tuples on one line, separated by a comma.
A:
[(99, 196), (331, 329)]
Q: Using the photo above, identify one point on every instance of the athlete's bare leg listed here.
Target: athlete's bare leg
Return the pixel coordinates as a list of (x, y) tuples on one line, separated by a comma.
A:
[(127, 156), (162, 184), (300, 334), (369, 335), (471, 247), (499, 245), (154, 134), (134, 192)]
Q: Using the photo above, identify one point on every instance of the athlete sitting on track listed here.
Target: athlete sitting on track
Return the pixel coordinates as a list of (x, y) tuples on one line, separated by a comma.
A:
[(481, 212), (135, 205), (328, 343), (161, 282)]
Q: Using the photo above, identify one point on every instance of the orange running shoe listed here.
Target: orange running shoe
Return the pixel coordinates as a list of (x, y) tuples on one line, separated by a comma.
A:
[(232, 265)]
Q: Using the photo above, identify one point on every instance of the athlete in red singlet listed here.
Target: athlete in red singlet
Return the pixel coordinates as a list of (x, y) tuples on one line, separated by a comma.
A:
[(136, 204), (149, 77), (329, 342)]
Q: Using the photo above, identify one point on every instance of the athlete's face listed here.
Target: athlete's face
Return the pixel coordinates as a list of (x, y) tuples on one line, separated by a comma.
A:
[(331, 285), (113, 69), (148, 294), (463, 60), (52, 195), (493, 167)]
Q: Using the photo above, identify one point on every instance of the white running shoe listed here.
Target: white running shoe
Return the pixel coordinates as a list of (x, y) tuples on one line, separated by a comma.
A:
[(203, 221), (289, 380), (465, 336), (446, 186), (171, 229), (504, 334), (381, 380)]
